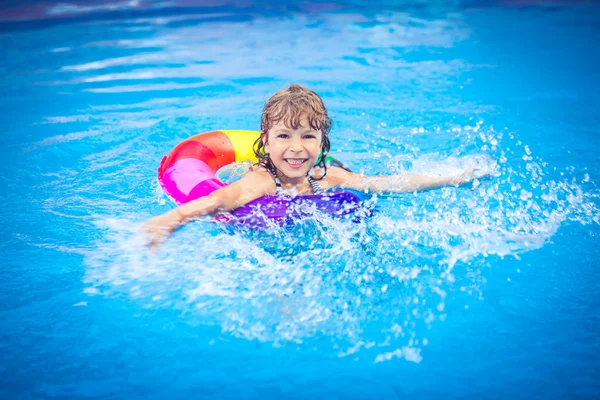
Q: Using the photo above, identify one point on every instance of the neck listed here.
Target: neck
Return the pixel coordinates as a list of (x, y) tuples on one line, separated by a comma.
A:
[(288, 182)]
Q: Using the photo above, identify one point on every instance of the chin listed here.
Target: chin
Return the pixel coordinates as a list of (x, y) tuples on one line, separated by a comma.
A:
[(294, 173)]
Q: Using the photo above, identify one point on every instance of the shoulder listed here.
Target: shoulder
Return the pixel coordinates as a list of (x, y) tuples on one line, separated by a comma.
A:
[(335, 177), (251, 186), (258, 174), (258, 178), (257, 168)]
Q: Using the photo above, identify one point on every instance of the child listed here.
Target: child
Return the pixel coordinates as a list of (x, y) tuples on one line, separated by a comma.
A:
[(291, 152)]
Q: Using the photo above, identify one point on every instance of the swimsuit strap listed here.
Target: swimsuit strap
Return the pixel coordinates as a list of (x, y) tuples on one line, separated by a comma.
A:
[(314, 184), (279, 190)]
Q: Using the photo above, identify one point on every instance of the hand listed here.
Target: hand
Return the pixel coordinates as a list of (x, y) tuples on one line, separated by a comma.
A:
[(159, 228), (471, 173)]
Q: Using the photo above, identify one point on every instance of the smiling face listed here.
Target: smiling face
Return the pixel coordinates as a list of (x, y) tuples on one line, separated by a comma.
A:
[(295, 129), (293, 151)]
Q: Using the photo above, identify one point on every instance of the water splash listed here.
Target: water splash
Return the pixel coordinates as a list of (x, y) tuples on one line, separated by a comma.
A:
[(371, 288)]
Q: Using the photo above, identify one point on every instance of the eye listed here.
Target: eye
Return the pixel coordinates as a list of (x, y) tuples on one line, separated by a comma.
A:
[(310, 136), (283, 136)]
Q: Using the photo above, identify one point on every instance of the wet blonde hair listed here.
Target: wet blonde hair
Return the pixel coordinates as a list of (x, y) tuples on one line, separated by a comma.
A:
[(291, 105)]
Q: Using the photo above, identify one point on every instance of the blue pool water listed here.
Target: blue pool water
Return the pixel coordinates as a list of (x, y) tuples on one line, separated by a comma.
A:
[(488, 291)]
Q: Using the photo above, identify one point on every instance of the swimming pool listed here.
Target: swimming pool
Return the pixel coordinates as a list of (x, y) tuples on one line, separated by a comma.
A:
[(483, 292)]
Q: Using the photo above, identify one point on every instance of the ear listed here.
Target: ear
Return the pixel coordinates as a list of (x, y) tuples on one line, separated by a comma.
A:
[(264, 138)]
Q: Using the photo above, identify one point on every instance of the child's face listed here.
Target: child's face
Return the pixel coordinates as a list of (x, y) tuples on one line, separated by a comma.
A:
[(293, 151)]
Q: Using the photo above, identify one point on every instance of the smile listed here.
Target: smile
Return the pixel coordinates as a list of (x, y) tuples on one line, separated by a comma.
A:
[(296, 162)]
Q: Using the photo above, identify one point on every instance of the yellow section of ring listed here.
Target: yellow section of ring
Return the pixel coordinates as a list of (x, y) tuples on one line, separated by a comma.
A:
[(243, 144)]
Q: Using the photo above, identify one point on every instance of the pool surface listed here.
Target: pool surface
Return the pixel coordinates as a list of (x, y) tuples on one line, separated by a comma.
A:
[(490, 291)]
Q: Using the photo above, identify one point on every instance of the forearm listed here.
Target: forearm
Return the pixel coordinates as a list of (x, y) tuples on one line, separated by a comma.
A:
[(161, 226), (224, 199), (208, 205), (406, 183), (418, 183), (403, 183)]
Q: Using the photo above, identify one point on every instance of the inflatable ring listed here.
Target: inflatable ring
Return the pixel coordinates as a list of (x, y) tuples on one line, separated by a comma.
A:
[(189, 172)]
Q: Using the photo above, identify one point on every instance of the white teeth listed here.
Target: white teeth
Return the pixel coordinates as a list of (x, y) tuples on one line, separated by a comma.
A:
[(295, 161)]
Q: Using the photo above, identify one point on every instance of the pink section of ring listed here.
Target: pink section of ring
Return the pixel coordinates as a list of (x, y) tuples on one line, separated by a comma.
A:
[(180, 179)]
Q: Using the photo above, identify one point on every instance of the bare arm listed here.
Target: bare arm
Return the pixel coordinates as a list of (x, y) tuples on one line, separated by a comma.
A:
[(401, 183), (250, 187)]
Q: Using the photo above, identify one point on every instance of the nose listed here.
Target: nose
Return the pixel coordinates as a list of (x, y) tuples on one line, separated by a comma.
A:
[(296, 145)]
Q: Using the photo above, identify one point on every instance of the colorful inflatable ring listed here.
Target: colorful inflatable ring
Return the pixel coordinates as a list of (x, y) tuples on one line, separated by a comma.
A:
[(188, 172)]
